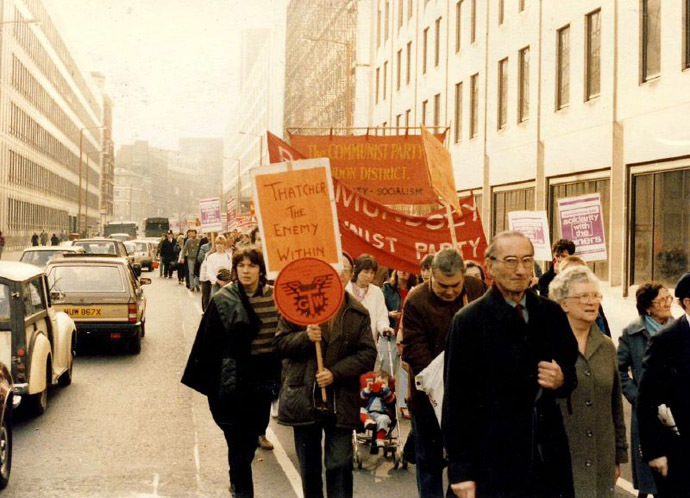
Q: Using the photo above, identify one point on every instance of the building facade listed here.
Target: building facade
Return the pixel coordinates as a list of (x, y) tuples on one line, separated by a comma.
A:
[(48, 106), (547, 99), (132, 200), (107, 151)]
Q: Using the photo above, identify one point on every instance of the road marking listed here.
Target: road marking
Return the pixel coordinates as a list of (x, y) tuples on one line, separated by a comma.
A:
[(285, 463), (156, 481), (626, 486)]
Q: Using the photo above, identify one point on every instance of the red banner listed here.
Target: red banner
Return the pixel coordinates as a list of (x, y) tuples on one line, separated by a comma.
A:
[(395, 239), (387, 169)]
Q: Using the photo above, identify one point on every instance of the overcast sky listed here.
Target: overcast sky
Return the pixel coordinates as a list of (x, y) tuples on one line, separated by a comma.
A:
[(172, 65)]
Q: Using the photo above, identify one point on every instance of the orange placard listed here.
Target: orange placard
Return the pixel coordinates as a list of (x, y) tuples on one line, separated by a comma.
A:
[(388, 169), (308, 291), (295, 209)]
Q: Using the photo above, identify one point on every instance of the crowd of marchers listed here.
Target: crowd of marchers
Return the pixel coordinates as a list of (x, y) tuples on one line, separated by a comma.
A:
[(532, 383)]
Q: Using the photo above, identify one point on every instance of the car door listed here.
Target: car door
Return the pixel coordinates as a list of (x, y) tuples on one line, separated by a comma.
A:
[(36, 320), (138, 295), (5, 324)]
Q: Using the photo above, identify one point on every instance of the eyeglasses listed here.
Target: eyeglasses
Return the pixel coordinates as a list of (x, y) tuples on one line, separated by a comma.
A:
[(512, 262), (663, 300), (590, 297)]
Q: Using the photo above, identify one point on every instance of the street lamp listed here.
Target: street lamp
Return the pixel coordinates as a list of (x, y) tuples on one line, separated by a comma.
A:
[(81, 162), (348, 74)]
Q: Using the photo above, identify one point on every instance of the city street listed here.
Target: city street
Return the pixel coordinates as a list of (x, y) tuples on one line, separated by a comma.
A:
[(127, 427)]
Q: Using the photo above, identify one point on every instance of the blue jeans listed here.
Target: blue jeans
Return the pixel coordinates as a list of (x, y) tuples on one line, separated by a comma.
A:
[(192, 278), (338, 460), (428, 444)]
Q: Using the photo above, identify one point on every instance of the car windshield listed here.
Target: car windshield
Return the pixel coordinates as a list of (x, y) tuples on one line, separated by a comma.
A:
[(101, 247), (92, 278), (39, 258), (4, 307), (141, 246)]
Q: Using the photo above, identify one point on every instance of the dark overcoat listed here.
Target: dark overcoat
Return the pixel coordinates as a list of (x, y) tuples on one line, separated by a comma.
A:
[(348, 352), (500, 428), (666, 380), (631, 348)]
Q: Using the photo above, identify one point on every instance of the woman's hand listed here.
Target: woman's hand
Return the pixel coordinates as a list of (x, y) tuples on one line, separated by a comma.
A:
[(660, 465), (314, 333)]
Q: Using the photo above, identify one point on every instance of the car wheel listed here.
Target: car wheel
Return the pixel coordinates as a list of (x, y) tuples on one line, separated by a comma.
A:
[(66, 378), (38, 402), (143, 329), (134, 345), (5, 450)]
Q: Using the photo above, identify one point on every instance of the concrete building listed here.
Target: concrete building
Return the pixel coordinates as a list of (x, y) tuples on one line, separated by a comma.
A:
[(549, 99), (132, 200), (107, 151), (259, 104), (151, 164), (48, 103)]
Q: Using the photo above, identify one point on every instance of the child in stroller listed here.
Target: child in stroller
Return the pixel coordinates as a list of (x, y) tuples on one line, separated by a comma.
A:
[(379, 411)]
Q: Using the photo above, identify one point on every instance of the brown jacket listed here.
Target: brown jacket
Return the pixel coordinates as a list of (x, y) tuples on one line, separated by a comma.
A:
[(426, 320)]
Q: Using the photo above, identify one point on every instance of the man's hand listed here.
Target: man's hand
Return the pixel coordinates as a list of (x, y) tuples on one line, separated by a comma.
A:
[(324, 378), (394, 314), (550, 375), (388, 332), (660, 465), (314, 333), (465, 489)]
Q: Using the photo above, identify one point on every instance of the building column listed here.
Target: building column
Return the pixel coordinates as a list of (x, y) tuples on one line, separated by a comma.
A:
[(618, 238)]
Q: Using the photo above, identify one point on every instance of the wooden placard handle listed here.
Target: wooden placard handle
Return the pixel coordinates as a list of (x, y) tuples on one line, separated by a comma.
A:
[(319, 365)]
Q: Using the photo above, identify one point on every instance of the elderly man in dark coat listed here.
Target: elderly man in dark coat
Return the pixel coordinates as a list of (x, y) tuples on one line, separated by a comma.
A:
[(509, 355), (664, 393)]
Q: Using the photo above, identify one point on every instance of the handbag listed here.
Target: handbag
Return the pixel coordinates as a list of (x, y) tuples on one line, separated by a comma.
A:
[(430, 381)]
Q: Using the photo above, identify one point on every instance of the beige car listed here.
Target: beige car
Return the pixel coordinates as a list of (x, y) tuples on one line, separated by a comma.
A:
[(103, 296)]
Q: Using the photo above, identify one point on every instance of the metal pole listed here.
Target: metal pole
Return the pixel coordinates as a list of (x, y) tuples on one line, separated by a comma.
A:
[(348, 84), (86, 200), (81, 148)]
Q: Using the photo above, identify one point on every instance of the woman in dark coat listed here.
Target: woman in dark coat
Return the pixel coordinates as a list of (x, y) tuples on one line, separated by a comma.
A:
[(654, 308), (233, 363)]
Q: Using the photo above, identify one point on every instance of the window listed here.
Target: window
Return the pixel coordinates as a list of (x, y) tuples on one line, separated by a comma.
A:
[(501, 11), (424, 49), (502, 93), (473, 20), (651, 39), (458, 25), (437, 43), (425, 104), (563, 68), (593, 64), (385, 79), (458, 112), (523, 85), (661, 226), (386, 25), (410, 9), (407, 118), (378, 25), (474, 105), (504, 202), (573, 189), (400, 14), (408, 69), (521, 5), (398, 119), (378, 77), (437, 110), (399, 70)]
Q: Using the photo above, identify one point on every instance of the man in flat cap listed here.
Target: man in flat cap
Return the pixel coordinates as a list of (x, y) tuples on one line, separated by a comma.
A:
[(663, 402)]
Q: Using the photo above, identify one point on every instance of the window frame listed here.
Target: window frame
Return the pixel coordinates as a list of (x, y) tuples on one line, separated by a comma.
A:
[(645, 74), (425, 49), (590, 56), (562, 66), (523, 85), (458, 25), (457, 137), (474, 105), (502, 95)]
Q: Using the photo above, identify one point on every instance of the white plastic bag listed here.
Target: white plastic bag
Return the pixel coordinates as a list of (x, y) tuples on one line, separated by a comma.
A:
[(430, 381)]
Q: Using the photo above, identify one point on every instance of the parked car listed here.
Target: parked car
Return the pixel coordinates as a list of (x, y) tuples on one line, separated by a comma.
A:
[(37, 340), (122, 237), (40, 255), (8, 402), (103, 296), (144, 253), (108, 247)]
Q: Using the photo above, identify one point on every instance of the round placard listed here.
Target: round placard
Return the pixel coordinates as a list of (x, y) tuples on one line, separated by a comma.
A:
[(308, 291)]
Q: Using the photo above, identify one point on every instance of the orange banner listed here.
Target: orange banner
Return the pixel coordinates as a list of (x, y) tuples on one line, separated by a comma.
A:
[(295, 208), (388, 169), (440, 165)]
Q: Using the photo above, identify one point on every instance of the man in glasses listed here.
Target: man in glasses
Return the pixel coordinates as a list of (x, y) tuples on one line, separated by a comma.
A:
[(427, 314), (508, 357)]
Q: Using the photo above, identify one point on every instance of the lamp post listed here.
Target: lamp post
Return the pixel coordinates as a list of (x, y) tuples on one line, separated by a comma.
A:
[(348, 74), (81, 162)]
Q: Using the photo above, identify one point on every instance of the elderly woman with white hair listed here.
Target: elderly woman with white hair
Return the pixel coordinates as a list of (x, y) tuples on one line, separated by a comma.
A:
[(593, 417)]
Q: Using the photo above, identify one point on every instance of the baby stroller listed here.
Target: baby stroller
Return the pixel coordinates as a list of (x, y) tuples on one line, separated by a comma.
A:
[(364, 439)]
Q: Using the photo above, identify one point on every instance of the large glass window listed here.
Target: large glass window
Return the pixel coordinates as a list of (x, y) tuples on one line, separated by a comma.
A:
[(574, 189), (504, 202), (502, 93), (473, 22), (458, 25), (458, 112), (563, 68), (523, 85), (661, 226), (474, 105), (425, 48), (437, 111), (651, 39), (437, 42)]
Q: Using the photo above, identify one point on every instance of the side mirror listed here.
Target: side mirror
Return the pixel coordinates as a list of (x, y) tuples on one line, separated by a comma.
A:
[(137, 270), (145, 281), (57, 296)]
